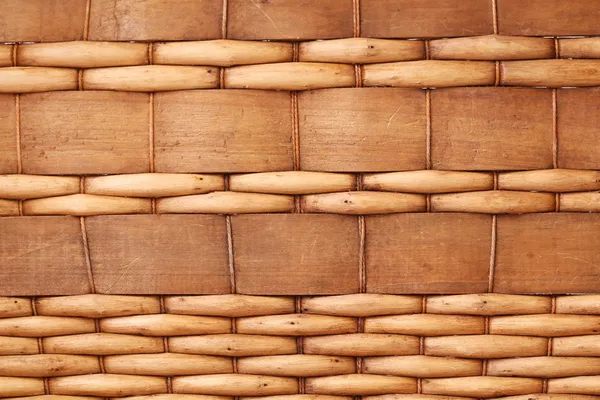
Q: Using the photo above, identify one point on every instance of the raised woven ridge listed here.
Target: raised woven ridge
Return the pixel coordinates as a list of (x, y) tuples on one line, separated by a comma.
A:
[(475, 345)]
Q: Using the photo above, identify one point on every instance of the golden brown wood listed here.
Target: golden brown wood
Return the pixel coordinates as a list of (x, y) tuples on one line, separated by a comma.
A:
[(167, 364), (529, 246), (425, 18), (8, 135), (10, 346), (226, 203), (579, 48), (101, 344), (308, 254), (290, 19), (578, 346), (229, 305), (363, 202), (135, 254), (362, 345), (551, 73), (86, 204), (482, 386), (29, 79), (84, 132), (299, 365), (235, 384), (33, 251), (361, 51), (422, 366), (222, 131), (476, 128), (233, 345), (544, 367), (550, 180), (429, 181), (363, 129), (399, 251), (97, 306), (37, 186), (107, 385), (426, 325), (46, 365), (292, 182), (492, 48), (488, 304), (165, 325), (494, 202), (360, 384), (362, 305), (15, 307), (296, 325), (485, 346), (127, 20)]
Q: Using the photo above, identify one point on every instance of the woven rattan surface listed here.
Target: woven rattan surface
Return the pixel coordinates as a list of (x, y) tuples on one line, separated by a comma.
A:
[(300, 199)]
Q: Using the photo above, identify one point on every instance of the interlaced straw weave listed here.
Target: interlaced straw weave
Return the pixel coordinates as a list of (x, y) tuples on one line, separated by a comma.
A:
[(300, 199)]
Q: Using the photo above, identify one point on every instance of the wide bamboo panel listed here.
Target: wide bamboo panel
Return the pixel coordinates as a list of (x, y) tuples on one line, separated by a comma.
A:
[(299, 200)]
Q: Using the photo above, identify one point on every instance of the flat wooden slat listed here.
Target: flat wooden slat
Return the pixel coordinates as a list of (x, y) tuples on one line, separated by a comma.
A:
[(425, 18), (366, 129), (8, 134), (153, 20), (290, 19), (167, 254), (548, 253), (41, 256), (296, 254), (84, 132), (428, 253)]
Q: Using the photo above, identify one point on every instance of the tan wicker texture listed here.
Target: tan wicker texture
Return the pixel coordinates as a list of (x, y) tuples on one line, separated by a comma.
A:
[(299, 199)]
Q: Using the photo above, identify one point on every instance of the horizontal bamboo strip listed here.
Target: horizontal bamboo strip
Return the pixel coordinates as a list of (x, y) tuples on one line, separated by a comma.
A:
[(430, 73), (290, 76), (101, 344), (550, 73), (97, 305), (229, 305), (42, 326), (221, 53), (482, 386), (550, 180), (546, 325), (586, 202), (235, 385), (298, 365), (107, 385), (549, 396), (167, 364), (360, 385), (6, 55), (429, 181), (362, 305), (86, 204), (36, 186), (10, 386), (494, 202), (426, 325), (575, 385), (485, 346), (362, 345), (10, 346), (176, 396), (577, 346), (292, 182), (579, 48), (46, 365), (489, 304), (361, 51), (226, 203), (300, 397), (234, 345), (416, 397), (153, 185), (151, 78), (53, 397), (297, 325), (583, 304), (9, 208), (82, 54), (544, 367), (165, 325), (364, 203), (15, 307), (491, 48), (422, 366), (37, 79)]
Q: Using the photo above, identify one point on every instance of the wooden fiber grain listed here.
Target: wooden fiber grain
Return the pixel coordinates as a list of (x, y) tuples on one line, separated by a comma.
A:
[(289, 19), (548, 253), (41, 20), (366, 129), (295, 254), (422, 253), (477, 128), (548, 17), (167, 254), (41, 256), (152, 20), (425, 18), (578, 121), (222, 131), (89, 132), (8, 135)]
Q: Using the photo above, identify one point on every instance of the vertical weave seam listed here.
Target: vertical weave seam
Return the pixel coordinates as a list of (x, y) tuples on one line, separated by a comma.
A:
[(86, 22), (428, 161), (492, 270), (495, 16)]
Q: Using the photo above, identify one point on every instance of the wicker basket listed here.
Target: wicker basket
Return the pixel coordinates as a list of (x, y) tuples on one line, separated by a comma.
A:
[(206, 200)]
